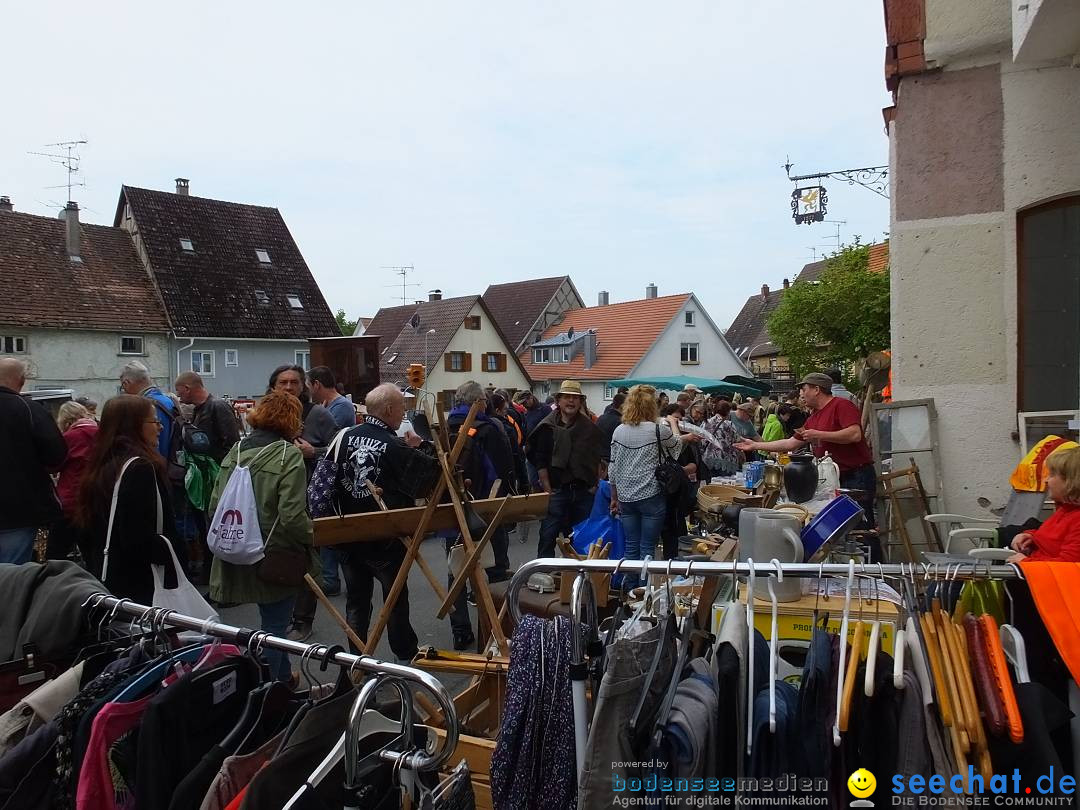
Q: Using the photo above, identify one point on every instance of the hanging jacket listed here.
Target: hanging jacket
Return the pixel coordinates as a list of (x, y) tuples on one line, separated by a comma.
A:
[(280, 485), (773, 429)]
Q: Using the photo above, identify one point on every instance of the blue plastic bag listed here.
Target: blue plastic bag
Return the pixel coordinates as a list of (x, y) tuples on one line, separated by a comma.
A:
[(600, 525)]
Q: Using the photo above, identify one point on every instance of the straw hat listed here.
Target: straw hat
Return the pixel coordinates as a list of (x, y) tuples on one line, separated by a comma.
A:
[(570, 387)]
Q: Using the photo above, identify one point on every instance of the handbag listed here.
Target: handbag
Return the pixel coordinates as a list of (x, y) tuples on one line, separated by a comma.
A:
[(669, 472), (283, 566), (321, 489)]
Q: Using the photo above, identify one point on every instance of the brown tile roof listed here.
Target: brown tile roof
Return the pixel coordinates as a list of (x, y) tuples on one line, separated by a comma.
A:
[(389, 321), (748, 332), (624, 332), (879, 257), (108, 290), (516, 305), (811, 271), (211, 291)]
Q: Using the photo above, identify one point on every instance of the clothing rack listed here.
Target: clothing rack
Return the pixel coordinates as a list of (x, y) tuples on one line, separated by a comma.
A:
[(259, 639), (974, 570)]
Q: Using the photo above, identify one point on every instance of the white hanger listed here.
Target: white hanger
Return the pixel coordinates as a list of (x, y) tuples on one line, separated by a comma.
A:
[(875, 637), (1015, 650), (629, 624), (750, 657), (843, 652), (898, 651), (773, 644)]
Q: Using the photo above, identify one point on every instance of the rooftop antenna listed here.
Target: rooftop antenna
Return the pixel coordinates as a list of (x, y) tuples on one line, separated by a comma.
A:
[(837, 223), (69, 160), (403, 271)]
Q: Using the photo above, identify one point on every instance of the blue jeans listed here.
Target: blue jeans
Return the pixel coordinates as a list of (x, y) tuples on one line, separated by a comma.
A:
[(642, 522), (274, 618), (331, 580), (17, 545)]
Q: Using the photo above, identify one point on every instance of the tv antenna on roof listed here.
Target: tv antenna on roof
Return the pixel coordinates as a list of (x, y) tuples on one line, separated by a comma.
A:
[(403, 271), (69, 160)]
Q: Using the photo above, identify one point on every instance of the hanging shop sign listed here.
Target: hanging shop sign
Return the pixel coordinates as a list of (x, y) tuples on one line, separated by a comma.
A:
[(809, 204)]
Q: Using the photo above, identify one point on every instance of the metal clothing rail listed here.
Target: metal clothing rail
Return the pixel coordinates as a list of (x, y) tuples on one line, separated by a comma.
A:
[(259, 639), (976, 569)]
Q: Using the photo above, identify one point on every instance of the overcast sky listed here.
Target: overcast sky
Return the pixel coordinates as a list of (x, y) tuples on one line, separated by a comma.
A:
[(621, 143)]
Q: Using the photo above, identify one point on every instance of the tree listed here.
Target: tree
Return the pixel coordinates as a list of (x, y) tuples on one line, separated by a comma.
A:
[(346, 326), (843, 317)]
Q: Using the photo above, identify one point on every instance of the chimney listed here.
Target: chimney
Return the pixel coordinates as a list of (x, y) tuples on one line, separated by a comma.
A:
[(590, 348), (70, 216), (182, 186), (601, 300), (764, 290), (786, 283), (650, 291), (434, 295), (5, 204)]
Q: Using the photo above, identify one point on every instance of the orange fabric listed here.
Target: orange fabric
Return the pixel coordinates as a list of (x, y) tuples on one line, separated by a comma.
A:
[(1030, 474), (1049, 583)]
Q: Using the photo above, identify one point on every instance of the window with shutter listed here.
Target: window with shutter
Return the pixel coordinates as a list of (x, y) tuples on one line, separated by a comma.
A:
[(502, 362), (457, 361)]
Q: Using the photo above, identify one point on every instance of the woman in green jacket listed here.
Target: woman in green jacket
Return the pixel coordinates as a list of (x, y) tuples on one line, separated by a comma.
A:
[(279, 482), (773, 429)]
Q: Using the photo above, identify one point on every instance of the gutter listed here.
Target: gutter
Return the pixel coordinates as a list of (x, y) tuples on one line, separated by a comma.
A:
[(179, 351)]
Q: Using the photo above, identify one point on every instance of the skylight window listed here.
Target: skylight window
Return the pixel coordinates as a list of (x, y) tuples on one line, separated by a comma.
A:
[(294, 301), (261, 297), (393, 357), (187, 244), (262, 256)]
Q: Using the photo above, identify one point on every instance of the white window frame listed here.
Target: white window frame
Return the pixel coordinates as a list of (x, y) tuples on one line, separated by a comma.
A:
[(203, 354), (689, 317), (235, 353), (609, 392), (15, 339), (491, 359), (142, 346), (187, 245), (552, 354), (459, 357), (302, 358), (259, 253), (689, 354), (294, 301)]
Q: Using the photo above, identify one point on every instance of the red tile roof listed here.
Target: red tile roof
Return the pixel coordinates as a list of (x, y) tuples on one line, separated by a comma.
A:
[(879, 257), (108, 290), (516, 305), (624, 333)]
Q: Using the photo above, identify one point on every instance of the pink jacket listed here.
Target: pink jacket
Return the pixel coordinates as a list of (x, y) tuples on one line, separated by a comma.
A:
[(80, 442)]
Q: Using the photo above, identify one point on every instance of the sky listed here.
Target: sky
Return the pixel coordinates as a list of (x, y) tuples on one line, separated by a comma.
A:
[(620, 143)]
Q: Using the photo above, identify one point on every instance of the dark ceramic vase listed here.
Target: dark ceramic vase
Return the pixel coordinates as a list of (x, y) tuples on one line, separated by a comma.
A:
[(800, 478)]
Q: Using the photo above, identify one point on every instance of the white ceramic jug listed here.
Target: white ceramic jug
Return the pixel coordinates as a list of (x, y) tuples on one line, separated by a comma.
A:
[(776, 537), (828, 476)]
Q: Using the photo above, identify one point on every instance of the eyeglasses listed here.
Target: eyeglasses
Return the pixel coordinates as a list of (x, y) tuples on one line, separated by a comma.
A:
[(154, 422)]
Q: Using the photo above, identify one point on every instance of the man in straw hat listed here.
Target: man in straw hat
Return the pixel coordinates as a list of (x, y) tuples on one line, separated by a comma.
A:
[(566, 449)]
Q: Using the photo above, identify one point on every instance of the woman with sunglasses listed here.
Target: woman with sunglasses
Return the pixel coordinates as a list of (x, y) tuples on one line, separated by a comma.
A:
[(139, 509)]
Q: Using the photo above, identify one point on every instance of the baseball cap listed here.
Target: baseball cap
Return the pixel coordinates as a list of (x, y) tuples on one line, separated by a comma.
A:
[(822, 381)]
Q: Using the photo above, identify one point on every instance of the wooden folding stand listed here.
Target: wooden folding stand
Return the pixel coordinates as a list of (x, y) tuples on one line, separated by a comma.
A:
[(890, 491)]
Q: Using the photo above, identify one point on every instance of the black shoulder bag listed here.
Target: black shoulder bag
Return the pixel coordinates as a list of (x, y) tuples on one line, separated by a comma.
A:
[(669, 472)]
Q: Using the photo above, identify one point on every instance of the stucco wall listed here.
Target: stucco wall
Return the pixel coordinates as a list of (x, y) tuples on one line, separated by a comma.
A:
[(593, 391), (957, 29), (715, 357), (88, 362), (953, 242), (257, 358)]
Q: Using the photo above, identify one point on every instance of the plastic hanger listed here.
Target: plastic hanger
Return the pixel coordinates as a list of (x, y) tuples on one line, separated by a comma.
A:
[(750, 656), (646, 596), (851, 676), (843, 652), (875, 636), (773, 654), (670, 626)]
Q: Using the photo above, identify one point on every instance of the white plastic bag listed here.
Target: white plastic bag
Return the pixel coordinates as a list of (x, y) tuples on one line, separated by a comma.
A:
[(185, 597), (235, 535)]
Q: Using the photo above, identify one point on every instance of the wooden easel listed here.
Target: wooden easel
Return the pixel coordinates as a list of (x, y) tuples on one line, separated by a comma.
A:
[(890, 492)]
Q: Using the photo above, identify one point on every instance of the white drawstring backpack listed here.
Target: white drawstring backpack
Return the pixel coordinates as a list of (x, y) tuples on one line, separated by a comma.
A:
[(235, 536)]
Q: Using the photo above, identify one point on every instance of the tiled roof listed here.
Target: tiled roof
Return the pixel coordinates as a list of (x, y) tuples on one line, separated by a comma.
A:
[(445, 316), (749, 330), (517, 304), (389, 321), (211, 291), (810, 272), (879, 257), (108, 290), (624, 333)]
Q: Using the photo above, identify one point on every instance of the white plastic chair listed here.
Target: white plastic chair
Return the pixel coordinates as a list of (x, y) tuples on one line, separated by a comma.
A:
[(980, 531)]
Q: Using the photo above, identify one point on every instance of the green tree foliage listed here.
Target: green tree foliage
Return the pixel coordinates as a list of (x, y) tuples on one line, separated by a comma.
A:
[(346, 326), (836, 321)]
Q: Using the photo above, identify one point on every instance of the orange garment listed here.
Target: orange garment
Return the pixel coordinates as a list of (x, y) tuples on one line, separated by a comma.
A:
[(1031, 473), (1051, 583)]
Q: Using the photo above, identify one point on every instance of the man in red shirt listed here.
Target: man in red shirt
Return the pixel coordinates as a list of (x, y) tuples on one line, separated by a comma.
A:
[(834, 427)]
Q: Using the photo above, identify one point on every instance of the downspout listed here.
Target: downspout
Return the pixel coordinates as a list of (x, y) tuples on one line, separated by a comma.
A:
[(179, 351)]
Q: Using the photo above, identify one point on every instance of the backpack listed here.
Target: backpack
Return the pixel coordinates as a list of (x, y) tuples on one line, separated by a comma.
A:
[(194, 439), (176, 466), (234, 535)]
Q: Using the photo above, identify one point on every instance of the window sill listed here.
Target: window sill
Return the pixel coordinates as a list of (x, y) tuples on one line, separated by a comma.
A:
[(132, 354), (690, 363)]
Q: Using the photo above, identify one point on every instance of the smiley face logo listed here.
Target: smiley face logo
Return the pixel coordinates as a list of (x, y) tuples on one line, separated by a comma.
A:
[(862, 783)]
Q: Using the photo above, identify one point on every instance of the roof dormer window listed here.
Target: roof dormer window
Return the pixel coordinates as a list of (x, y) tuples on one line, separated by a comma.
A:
[(262, 256), (187, 245), (294, 301), (261, 297)]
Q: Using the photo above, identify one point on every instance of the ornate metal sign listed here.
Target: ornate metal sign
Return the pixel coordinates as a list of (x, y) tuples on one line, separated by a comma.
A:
[(809, 204)]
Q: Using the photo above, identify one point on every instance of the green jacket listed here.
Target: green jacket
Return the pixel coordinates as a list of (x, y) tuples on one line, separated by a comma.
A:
[(773, 429), (280, 483)]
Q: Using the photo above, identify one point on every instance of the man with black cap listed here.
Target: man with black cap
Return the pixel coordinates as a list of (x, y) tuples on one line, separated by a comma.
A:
[(834, 427), (566, 449)]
